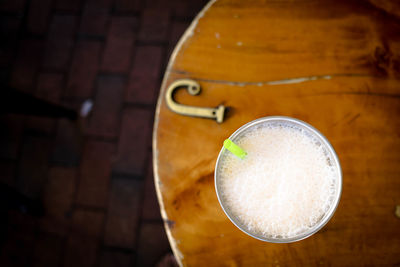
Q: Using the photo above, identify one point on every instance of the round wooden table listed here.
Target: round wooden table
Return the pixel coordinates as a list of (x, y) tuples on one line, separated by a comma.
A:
[(334, 64)]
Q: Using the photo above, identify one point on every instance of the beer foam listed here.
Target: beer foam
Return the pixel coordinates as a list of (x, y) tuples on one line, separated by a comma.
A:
[(284, 186)]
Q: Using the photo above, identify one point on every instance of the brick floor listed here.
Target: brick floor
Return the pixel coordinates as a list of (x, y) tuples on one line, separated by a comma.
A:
[(153, 244), (150, 208), (115, 259), (144, 77), (49, 87), (16, 6), (66, 146), (58, 197), (118, 52), (134, 141), (85, 64), (48, 250), (80, 251), (59, 42), (123, 213), (19, 240), (26, 65), (95, 183), (127, 6), (9, 36), (105, 117), (38, 15), (154, 25), (87, 223), (95, 174), (11, 131), (7, 170), (73, 6), (95, 17), (33, 166)]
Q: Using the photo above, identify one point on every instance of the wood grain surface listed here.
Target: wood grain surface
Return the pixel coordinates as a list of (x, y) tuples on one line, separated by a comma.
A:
[(333, 64)]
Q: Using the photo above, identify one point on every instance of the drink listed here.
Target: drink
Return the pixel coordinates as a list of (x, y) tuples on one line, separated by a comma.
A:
[(287, 187)]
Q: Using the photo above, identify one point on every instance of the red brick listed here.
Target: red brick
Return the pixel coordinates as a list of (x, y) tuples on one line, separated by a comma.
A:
[(119, 46), (153, 244), (144, 78), (151, 208), (154, 25), (59, 42), (178, 29), (32, 170), (71, 103), (38, 16), (115, 259), (105, 117), (170, 50), (123, 213), (19, 240), (80, 251), (20, 229), (12, 5), (68, 5), (133, 142), (160, 4), (87, 223), (59, 190), (40, 125), (58, 197), (26, 65), (9, 27), (48, 249), (180, 8), (49, 87), (21, 224), (95, 17), (125, 196), (84, 69), (127, 6), (67, 145), (95, 174), (4, 74), (147, 61), (7, 170), (57, 226), (11, 130), (188, 9)]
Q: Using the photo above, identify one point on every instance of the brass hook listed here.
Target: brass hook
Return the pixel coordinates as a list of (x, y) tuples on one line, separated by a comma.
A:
[(193, 89)]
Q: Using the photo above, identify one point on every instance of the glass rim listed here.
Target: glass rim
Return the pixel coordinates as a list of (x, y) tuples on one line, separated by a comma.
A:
[(328, 215)]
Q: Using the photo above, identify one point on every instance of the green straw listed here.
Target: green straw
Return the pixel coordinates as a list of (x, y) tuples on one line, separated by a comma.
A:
[(235, 149)]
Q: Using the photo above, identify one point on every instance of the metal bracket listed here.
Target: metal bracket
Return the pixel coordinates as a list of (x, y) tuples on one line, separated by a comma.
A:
[(193, 89)]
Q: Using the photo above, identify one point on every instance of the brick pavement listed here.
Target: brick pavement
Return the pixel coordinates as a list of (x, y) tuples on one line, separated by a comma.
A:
[(97, 190)]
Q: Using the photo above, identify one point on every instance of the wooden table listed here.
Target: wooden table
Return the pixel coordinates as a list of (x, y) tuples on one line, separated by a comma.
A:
[(334, 64)]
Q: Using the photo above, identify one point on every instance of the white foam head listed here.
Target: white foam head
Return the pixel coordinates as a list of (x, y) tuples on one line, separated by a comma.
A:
[(286, 184)]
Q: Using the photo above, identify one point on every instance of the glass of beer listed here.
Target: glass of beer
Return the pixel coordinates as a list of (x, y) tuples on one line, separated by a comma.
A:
[(288, 185)]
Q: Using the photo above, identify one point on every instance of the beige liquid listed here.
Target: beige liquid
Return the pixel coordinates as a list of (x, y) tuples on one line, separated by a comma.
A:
[(284, 186)]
